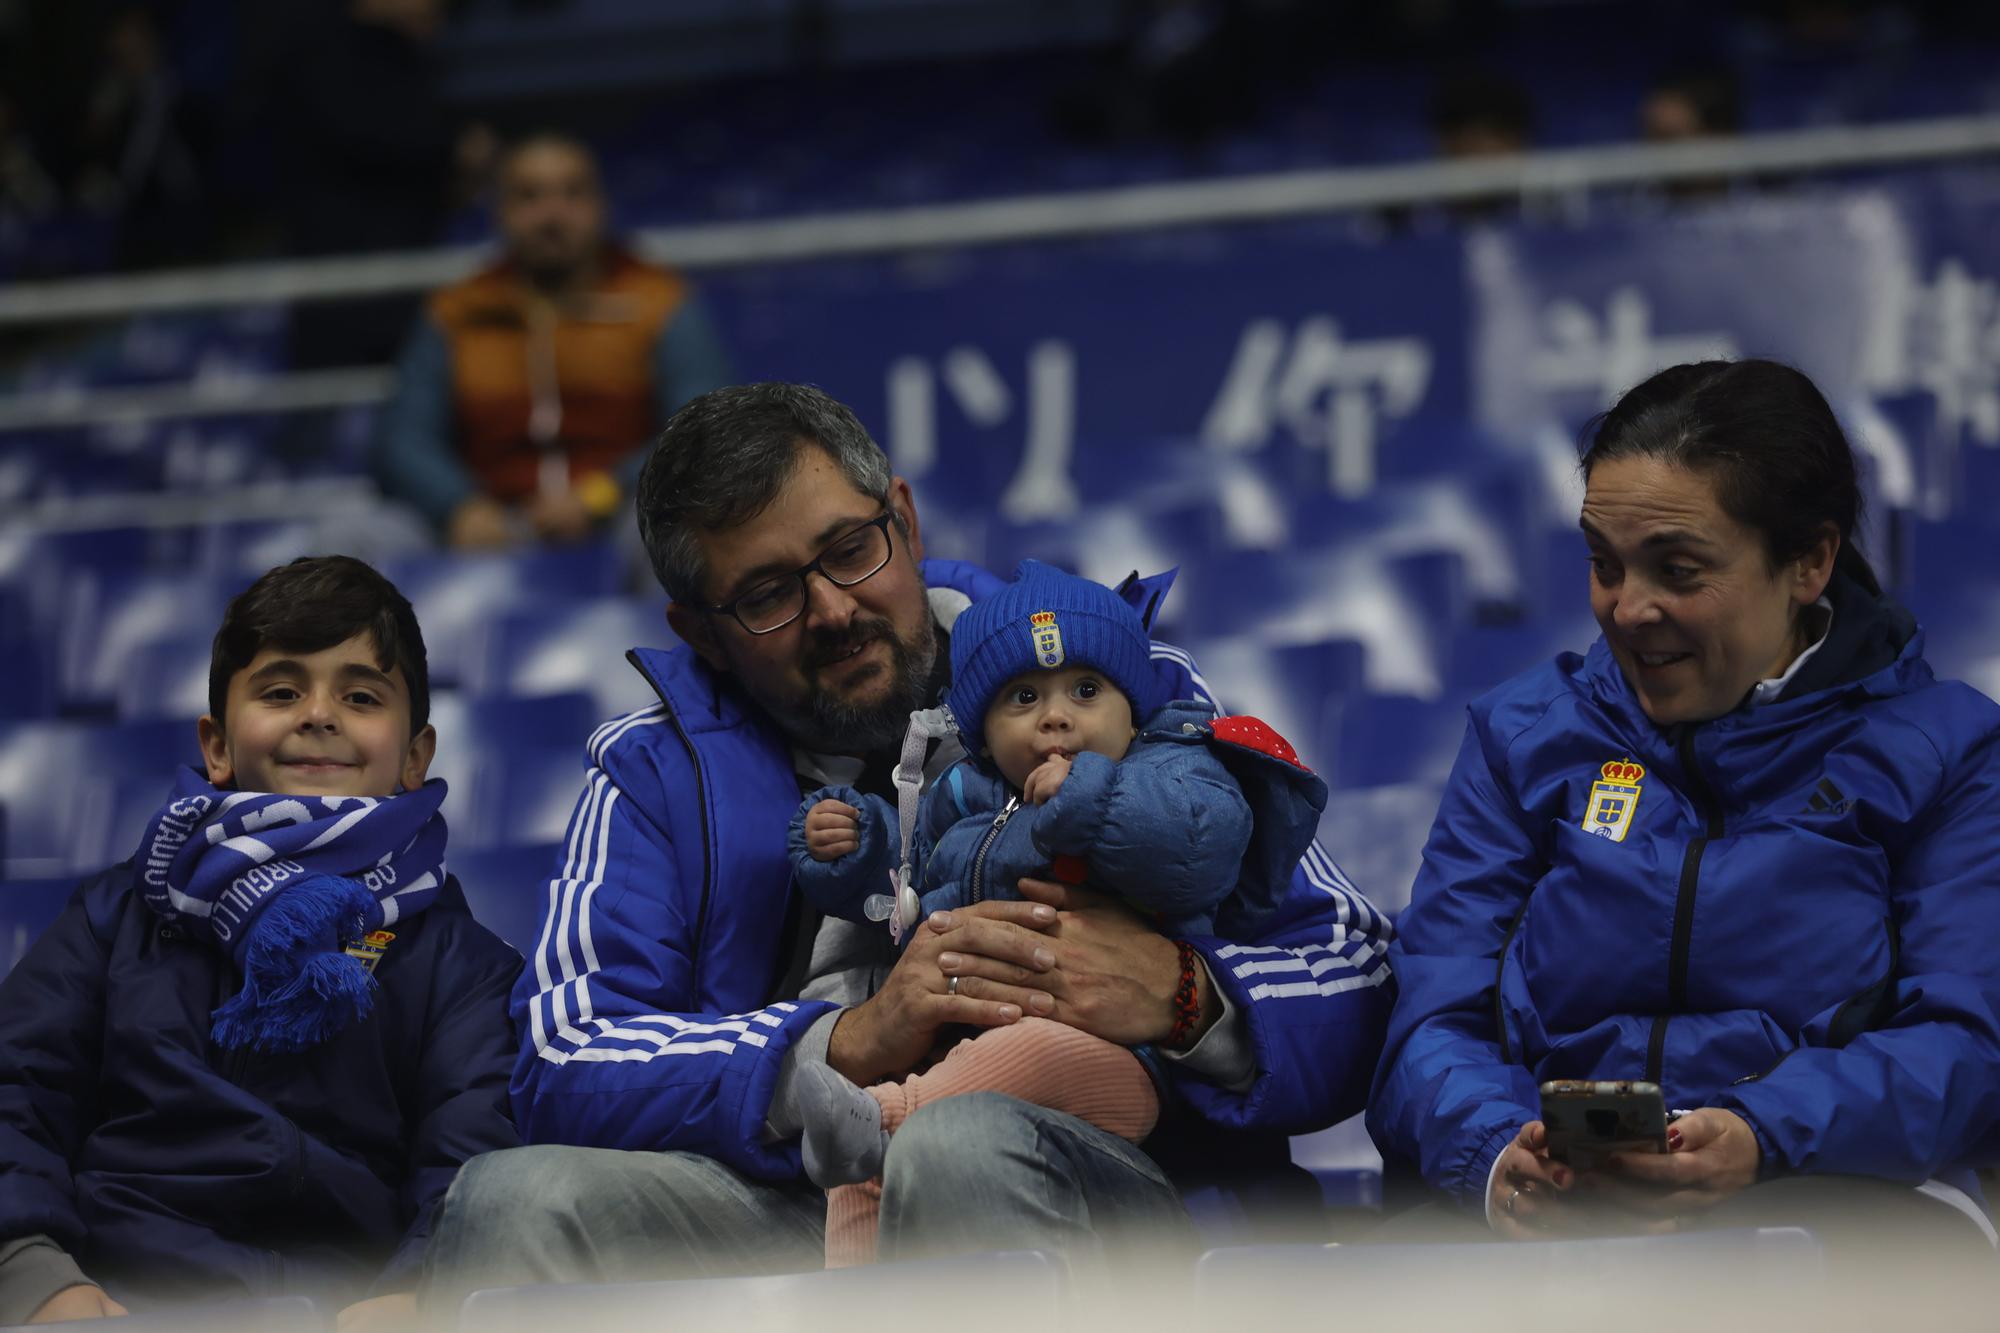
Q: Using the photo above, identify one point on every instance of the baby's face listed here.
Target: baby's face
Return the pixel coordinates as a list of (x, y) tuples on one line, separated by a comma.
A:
[(1065, 712)]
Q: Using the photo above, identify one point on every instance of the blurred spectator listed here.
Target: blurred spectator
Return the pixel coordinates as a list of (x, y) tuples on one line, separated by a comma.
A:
[(527, 390), (368, 150), (1474, 115), (1183, 68), (1692, 104), (1687, 105), (135, 151), (1481, 115), (25, 187)]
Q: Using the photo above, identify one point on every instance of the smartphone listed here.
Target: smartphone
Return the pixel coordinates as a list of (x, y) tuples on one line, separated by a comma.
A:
[(1587, 1122)]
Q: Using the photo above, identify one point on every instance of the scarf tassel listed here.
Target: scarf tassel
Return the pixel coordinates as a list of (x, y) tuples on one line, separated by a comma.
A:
[(298, 987)]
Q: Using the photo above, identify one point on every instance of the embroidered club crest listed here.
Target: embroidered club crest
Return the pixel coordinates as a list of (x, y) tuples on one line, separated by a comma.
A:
[(1614, 798), (1042, 628), (368, 950)]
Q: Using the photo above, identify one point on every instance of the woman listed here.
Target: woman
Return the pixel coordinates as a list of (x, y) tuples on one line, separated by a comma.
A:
[(1745, 848)]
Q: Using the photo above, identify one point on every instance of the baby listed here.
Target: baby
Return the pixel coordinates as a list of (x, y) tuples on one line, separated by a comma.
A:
[(1079, 768)]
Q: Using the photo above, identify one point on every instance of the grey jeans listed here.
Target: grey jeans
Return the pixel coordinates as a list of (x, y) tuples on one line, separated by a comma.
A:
[(979, 1172)]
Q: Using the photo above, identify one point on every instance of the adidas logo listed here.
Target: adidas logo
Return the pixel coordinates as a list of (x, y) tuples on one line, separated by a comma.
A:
[(1828, 799)]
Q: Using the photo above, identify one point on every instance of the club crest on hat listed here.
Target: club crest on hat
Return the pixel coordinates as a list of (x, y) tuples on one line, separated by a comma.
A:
[(1042, 628)]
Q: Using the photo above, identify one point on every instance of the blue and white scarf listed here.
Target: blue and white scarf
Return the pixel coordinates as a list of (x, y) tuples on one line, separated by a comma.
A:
[(283, 884)]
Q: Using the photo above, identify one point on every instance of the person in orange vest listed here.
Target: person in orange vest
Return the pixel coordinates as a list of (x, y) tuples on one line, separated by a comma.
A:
[(528, 390)]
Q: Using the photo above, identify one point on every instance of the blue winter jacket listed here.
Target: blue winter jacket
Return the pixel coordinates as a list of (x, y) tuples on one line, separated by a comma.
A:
[(169, 1168), (1788, 912), (1165, 828), (647, 1015)]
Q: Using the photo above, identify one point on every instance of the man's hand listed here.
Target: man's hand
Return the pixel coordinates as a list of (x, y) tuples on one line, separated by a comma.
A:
[(887, 1034), (79, 1302), (1526, 1195), (833, 830), (560, 517), (480, 524), (381, 1314), (1046, 780), (1711, 1154), (1114, 975)]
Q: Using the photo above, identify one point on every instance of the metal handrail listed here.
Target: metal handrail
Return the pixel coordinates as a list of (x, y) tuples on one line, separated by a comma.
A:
[(1247, 198)]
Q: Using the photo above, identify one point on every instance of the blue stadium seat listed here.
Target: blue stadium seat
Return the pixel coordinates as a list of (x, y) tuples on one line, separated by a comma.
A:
[(110, 616), (515, 766), (1484, 656), (1379, 739), (1290, 686), (1027, 1285), (27, 683), (109, 816), (578, 644), (507, 888), (521, 794), (37, 565), (27, 907), (44, 764), (1955, 593), (1377, 834), (166, 678), (455, 594)]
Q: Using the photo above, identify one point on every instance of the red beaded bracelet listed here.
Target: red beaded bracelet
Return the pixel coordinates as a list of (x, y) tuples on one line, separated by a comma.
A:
[(1187, 1002)]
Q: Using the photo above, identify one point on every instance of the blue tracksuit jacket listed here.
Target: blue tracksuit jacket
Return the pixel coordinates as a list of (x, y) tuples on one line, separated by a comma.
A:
[(1165, 828), (172, 1169), (646, 1013), (1790, 914)]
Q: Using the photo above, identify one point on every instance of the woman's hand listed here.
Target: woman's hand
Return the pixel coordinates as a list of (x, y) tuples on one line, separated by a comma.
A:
[(1526, 1196), (1711, 1154)]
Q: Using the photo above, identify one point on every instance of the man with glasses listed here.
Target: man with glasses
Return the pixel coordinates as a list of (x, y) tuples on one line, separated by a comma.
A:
[(680, 985)]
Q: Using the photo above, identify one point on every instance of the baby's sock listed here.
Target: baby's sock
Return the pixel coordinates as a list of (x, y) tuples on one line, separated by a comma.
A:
[(844, 1141)]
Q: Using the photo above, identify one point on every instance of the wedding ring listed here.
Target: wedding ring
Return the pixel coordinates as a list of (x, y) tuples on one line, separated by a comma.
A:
[(1513, 1195), (951, 987)]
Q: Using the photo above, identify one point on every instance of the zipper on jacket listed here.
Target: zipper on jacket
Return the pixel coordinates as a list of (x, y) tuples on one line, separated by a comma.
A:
[(986, 845), (1677, 955)]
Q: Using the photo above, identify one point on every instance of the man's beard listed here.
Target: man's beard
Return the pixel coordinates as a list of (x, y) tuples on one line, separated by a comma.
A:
[(825, 723)]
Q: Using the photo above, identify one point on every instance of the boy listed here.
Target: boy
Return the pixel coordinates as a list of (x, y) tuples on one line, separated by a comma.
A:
[(249, 1061), (1078, 764)]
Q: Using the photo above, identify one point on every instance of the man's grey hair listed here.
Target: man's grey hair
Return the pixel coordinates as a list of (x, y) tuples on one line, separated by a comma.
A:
[(723, 458)]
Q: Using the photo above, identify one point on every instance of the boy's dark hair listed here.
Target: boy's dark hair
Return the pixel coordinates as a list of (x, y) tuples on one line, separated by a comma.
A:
[(314, 603)]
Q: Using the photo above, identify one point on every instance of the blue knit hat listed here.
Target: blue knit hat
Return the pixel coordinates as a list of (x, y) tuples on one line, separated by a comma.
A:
[(1043, 621)]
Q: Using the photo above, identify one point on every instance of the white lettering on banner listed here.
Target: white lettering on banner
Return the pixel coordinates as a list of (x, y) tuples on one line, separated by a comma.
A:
[(1581, 353), (1953, 353), (1042, 488), (1328, 391)]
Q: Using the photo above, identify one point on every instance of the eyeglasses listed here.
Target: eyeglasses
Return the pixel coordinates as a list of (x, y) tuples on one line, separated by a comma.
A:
[(848, 560)]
